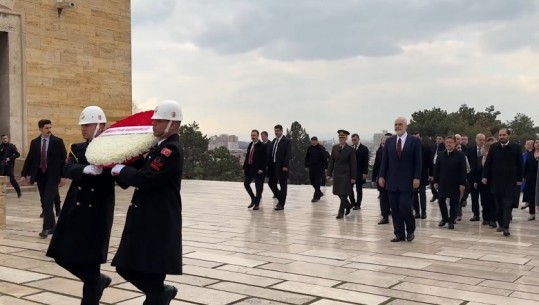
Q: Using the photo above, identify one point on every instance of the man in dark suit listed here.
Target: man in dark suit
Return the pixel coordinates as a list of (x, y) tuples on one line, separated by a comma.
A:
[(435, 149), (384, 201), (400, 174), (503, 171), (8, 154), (343, 168), (254, 167), (474, 156), (44, 164), (278, 166), (420, 195), (449, 180), (316, 162), (362, 160)]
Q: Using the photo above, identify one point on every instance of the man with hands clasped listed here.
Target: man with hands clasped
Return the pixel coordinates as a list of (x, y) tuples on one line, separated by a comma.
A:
[(81, 237), (151, 244)]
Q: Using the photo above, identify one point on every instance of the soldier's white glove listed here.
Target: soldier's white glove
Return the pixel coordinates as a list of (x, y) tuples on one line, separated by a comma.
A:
[(117, 169), (92, 170)]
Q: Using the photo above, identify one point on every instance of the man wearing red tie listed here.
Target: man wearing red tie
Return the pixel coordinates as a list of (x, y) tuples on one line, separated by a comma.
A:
[(44, 165), (400, 174), (254, 167)]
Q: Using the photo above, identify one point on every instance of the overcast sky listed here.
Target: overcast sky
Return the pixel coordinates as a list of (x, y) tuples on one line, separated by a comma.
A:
[(356, 65)]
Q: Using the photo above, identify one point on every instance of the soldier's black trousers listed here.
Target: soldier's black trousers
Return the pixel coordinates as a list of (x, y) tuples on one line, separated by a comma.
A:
[(150, 283), (89, 275)]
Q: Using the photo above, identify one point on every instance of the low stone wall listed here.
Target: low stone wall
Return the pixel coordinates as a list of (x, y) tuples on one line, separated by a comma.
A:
[(3, 184)]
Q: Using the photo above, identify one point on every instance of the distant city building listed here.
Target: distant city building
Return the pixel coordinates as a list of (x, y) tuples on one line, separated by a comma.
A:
[(228, 141), (377, 137)]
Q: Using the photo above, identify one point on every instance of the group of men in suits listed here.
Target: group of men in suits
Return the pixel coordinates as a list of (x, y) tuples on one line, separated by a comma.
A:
[(271, 159)]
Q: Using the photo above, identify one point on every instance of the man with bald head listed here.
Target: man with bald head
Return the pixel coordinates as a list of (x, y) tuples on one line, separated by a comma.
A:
[(400, 174), (474, 158)]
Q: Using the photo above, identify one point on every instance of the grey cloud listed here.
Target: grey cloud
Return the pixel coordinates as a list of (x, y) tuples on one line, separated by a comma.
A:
[(512, 36), (292, 30), (145, 12)]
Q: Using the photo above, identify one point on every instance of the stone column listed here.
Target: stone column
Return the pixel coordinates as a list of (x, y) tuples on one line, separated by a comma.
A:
[(3, 186)]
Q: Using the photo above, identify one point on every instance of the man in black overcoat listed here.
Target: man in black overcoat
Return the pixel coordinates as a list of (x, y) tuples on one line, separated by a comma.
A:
[(254, 168), (384, 200), (316, 162), (503, 170), (8, 154), (449, 180), (151, 244), (81, 239)]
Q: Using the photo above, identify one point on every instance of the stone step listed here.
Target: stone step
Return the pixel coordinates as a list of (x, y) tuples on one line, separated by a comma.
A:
[(26, 188)]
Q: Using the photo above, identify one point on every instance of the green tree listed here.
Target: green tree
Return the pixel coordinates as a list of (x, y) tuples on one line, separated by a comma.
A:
[(300, 141), (222, 165), (465, 120), (195, 147), (522, 128)]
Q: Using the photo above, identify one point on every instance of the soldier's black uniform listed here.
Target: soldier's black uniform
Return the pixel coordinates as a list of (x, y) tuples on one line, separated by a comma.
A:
[(81, 238), (151, 244)]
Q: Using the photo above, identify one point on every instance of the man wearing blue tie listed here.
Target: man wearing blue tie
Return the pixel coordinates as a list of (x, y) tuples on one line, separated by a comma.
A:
[(400, 174)]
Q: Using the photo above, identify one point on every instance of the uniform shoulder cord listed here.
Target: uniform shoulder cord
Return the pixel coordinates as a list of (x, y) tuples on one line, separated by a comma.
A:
[(70, 151)]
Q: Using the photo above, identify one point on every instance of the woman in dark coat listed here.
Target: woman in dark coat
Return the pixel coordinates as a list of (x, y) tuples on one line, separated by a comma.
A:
[(81, 238), (530, 176)]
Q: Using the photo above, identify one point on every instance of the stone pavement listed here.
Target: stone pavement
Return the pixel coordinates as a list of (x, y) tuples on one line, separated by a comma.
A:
[(302, 255)]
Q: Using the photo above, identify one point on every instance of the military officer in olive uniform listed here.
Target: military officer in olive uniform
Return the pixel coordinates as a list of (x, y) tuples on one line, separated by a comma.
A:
[(81, 238), (151, 244), (343, 168)]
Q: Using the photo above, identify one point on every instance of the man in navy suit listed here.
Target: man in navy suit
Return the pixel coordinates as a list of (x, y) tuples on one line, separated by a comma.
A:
[(254, 168), (278, 165), (400, 174)]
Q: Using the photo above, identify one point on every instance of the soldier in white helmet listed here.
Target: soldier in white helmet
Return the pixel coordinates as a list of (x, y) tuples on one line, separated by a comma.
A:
[(81, 237), (151, 244)]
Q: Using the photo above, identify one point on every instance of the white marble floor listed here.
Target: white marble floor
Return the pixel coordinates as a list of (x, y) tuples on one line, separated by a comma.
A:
[(301, 255)]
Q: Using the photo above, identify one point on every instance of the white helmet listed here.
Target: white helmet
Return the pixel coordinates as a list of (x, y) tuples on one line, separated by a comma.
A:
[(168, 110), (91, 115)]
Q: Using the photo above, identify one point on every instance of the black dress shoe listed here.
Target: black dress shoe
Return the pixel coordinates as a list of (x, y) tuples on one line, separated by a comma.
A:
[(19, 195), (506, 232), (492, 224), (41, 215), (383, 221), (169, 294), (279, 208), (347, 210), (416, 215), (410, 237), (356, 208), (397, 239), (423, 215), (256, 207), (451, 226), (251, 205), (475, 218), (315, 200), (442, 223), (104, 282), (485, 223), (339, 216), (44, 234)]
